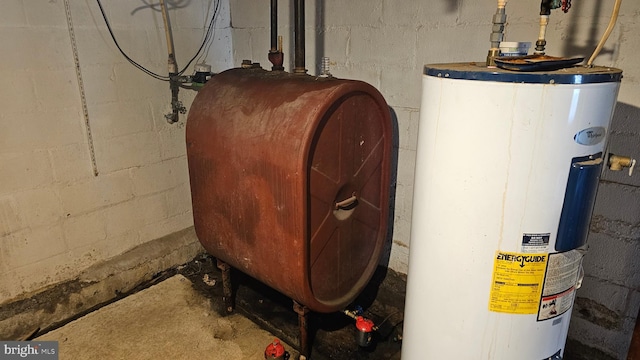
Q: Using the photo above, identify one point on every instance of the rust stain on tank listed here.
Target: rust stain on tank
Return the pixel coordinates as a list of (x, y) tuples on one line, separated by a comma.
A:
[(290, 180)]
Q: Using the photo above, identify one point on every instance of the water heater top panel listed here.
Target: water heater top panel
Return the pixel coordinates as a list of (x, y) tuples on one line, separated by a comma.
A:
[(479, 71)]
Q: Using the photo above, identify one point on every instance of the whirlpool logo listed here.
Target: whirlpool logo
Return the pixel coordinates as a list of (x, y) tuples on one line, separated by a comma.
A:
[(590, 136)]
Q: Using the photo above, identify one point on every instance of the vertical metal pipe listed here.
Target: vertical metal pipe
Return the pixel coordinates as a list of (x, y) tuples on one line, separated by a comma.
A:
[(227, 288), (274, 25), (298, 9), (302, 312)]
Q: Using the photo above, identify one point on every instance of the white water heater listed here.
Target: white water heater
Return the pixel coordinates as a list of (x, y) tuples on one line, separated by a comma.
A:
[(506, 176)]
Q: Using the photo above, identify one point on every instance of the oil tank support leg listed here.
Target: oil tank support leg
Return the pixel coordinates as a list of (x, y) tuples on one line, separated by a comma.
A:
[(302, 312), (227, 290)]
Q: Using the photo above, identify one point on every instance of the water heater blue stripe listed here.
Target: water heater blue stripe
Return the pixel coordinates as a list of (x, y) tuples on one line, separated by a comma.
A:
[(478, 71)]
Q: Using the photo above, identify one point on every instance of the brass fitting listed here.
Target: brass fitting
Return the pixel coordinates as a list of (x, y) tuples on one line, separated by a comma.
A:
[(617, 163)]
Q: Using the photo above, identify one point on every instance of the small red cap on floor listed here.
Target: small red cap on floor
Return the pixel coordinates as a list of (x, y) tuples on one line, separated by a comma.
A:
[(275, 350)]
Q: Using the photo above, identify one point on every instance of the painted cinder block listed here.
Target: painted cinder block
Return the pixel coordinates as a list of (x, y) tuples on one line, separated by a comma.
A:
[(100, 84), (13, 14), (71, 163), (134, 85), (39, 206), (613, 342), (44, 14), (250, 14), (127, 151), (19, 88), (85, 229), (42, 129), (611, 296), (368, 44), (172, 142), (407, 123), (129, 216), (353, 13), (30, 245), (56, 90), (399, 256), (49, 199), (10, 217), (336, 43), (95, 47), (166, 226), (154, 178), (613, 259), (96, 192), (402, 86), (24, 170), (469, 42), (179, 200), (367, 73), (609, 198), (417, 14), (114, 119)]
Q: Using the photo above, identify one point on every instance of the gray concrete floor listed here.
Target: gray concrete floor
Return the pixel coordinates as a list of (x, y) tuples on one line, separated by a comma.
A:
[(169, 320), (183, 316)]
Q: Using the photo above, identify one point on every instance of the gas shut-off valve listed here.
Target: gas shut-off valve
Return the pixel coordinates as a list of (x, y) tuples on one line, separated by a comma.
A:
[(617, 163)]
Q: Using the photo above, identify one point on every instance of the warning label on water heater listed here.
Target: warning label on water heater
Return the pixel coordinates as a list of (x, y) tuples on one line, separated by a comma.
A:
[(516, 285), (560, 282)]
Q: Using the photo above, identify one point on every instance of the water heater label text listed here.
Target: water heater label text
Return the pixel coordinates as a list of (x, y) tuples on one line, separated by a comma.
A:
[(522, 259), (517, 282)]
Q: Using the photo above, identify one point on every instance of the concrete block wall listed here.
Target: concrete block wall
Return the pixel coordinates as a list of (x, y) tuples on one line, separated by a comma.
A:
[(387, 42), (56, 217)]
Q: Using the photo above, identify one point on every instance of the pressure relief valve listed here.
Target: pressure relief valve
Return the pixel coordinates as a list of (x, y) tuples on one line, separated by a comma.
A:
[(617, 163)]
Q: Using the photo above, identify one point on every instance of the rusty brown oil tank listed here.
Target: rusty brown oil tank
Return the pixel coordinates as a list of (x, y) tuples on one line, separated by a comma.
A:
[(290, 180)]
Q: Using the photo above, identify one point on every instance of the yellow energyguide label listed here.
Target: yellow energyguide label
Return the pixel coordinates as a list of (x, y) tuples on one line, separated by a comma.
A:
[(516, 285)]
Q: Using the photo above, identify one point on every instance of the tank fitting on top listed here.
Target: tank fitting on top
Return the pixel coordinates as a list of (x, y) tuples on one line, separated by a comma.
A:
[(497, 34)]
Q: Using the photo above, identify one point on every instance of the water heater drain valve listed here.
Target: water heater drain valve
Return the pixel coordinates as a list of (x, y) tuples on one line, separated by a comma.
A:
[(276, 351)]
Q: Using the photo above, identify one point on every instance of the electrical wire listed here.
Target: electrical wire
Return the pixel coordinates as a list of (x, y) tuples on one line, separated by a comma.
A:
[(205, 54), (134, 63), (206, 37), (206, 40), (387, 318)]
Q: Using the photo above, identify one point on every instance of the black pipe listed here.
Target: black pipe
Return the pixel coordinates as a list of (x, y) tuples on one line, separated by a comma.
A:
[(545, 7), (298, 10), (274, 25)]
